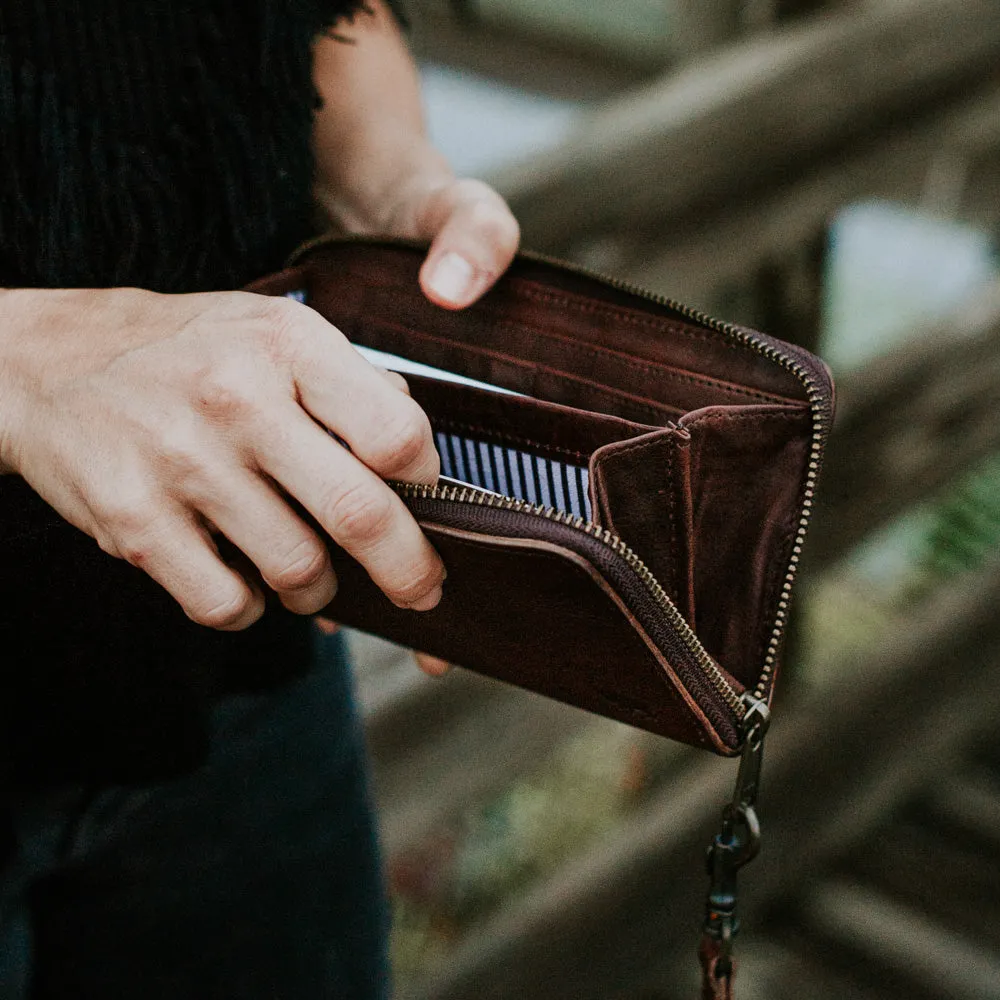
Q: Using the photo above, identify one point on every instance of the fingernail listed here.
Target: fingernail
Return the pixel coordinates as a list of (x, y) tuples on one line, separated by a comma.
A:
[(428, 601), (451, 278)]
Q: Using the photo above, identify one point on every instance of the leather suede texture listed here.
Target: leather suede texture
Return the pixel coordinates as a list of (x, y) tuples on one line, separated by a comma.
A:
[(697, 447)]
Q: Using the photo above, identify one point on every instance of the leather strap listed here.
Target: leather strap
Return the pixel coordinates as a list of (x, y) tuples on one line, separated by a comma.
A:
[(713, 986)]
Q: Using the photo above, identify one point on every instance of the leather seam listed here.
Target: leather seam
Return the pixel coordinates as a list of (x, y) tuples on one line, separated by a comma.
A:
[(711, 419), (640, 445), (778, 562), (655, 368), (526, 288)]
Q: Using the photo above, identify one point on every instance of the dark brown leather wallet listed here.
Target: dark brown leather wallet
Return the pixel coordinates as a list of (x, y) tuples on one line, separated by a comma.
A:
[(636, 502)]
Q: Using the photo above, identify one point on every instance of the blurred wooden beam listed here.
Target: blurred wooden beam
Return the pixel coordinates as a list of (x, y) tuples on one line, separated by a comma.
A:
[(837, 765), (697, 258), (452, 742), (441, 33), (750, 116), (937, 960), (908, 424)]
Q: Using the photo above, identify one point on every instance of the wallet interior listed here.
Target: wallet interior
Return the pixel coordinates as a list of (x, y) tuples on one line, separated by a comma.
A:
[(689, 447)]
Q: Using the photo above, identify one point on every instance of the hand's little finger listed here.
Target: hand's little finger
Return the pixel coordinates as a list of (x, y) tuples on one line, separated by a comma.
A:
[(179, 555), (431, 665), (290, 556)]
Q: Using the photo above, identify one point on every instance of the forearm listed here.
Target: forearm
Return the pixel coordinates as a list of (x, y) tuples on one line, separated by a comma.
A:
[(370, 137)]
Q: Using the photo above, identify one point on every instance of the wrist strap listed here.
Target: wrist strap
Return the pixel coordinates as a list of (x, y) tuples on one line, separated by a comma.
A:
[(736, 844)]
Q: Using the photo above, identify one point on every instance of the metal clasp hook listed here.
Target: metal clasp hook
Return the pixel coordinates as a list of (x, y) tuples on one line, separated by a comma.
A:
[(738, 841)]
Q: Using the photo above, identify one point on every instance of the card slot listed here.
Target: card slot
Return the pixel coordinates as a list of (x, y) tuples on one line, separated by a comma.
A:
[(549, 302), (531, 378), (680, 387), (519, 446)]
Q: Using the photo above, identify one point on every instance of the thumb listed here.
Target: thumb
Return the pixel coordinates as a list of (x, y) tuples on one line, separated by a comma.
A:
[(474, 239)]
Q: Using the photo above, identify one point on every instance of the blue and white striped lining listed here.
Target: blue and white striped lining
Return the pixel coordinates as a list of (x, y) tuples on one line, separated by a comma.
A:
[(515, 473)]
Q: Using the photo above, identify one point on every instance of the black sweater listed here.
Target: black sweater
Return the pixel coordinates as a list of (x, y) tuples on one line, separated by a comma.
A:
[(162, 144)]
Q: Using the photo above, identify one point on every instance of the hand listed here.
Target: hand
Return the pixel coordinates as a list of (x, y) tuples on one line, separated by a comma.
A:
[(156, 422)]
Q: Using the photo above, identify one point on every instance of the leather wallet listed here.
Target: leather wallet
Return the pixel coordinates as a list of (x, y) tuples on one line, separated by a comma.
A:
[(637, 499)]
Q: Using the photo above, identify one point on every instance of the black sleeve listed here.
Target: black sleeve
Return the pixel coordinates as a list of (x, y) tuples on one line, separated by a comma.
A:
[(334, 13)]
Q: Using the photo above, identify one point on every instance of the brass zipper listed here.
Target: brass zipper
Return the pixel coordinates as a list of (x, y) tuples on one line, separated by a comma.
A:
[(821, 425), (821, 417), (485, 498)]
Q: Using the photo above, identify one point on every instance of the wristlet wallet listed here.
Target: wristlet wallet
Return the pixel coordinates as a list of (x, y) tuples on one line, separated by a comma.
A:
[(630, 513)]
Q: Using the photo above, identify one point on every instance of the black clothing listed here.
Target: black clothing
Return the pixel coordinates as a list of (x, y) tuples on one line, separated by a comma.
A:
[(164, 145)]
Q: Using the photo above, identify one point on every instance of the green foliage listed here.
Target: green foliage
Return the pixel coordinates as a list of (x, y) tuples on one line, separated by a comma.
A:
[(964, 528)]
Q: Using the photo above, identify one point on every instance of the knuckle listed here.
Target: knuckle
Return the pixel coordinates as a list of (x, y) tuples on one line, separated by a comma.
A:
[(418, 582), (226, 612), (124, 520), (180, 452), (494, 222), (359, 514), (305, 566), (226, 393), (282, 326), (398, 381), (404, 440)]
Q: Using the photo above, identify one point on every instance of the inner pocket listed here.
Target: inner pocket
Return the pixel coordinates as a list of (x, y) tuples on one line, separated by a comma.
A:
[(518, 446)]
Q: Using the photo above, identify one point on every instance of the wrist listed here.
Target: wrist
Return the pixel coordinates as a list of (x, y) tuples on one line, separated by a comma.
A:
[(386, 201)]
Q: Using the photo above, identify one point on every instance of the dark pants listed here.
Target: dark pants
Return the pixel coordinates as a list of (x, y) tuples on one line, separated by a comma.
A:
[(256, 877)]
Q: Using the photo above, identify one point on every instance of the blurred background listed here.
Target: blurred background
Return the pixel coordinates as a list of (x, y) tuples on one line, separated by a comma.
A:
[(828, 172)]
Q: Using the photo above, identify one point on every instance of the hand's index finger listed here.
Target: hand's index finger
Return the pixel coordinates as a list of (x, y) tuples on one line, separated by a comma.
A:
[(371, 413)]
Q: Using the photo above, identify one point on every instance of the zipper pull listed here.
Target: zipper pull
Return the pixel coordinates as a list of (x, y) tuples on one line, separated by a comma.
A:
[(737, 842), (755, 724)]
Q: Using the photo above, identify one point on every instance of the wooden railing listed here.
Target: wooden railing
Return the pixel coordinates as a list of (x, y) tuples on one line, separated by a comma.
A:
[(716, 184)]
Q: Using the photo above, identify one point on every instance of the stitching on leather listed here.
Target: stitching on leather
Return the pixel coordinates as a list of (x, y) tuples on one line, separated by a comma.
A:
[(634, 446), (526, 288), (457, 425), (653, 368), (657, 411), (671, 465), (712, 419)]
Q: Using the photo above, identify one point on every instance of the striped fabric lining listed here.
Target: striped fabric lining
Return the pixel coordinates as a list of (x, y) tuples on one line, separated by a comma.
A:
[(515, 473)]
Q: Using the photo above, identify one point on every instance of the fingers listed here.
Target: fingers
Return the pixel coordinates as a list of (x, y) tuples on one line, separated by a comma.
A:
[(395, 380), (474, 239), (431, 665), (179, 555), (291, 558), (359, 511), (368, 408), (326, 626)]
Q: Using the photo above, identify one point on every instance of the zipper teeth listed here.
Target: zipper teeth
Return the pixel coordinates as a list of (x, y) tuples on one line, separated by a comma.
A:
[(467, 494), (818, 406)]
